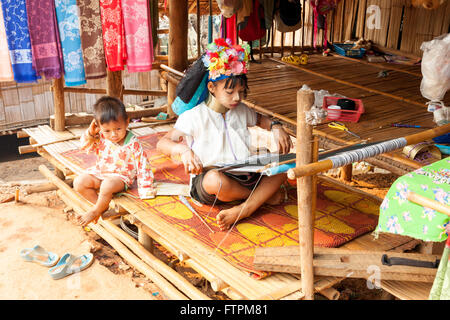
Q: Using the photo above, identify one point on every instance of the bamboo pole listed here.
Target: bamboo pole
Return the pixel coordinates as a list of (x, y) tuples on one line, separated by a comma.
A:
[(112, 235), (156, 264), (136, 92), (58, 97), (178, 34), (324, 165), (305, 100), (429, 203)]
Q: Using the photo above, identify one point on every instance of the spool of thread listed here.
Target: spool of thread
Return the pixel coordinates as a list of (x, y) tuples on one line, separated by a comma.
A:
[(346, 104), (334, 112)]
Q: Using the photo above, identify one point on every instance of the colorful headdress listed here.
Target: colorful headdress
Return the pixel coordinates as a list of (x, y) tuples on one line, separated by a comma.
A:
[(220, 61)]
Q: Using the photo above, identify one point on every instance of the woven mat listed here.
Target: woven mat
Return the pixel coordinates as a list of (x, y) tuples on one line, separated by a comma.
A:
[(340, 216)]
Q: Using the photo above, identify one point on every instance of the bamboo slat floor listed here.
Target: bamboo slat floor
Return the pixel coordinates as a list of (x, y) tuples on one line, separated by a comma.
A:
[(238, 285), (393, 99)]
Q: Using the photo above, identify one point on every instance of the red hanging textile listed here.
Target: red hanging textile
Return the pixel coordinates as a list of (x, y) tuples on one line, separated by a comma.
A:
[(113, 34), (231, 29)]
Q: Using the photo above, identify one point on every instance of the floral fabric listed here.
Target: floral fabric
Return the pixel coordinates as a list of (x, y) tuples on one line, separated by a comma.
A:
[(92, 39), (18, 37), (44, 35), (137, 35), (69, 32), (400, 216), (127, 162), (113, 34)]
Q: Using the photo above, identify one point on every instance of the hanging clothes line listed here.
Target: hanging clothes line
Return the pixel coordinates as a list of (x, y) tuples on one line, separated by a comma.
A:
[(77, 39)]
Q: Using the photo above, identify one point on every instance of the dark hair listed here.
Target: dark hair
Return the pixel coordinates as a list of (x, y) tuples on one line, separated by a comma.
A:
[(107, 109), (231, 82)]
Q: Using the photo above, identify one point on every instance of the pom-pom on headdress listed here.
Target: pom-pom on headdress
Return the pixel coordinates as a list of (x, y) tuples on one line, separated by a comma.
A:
[(220, 61)]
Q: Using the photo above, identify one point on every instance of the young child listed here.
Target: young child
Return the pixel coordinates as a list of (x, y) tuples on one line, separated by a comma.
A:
[(120, 159), (216, 132)]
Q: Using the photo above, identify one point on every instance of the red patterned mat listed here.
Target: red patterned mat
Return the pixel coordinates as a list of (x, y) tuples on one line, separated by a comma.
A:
[(340, 215)]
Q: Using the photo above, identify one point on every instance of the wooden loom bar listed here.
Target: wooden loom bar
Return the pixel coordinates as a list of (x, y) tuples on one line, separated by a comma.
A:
[(305, 100), (117, 238), (327, 164), (178, 43)]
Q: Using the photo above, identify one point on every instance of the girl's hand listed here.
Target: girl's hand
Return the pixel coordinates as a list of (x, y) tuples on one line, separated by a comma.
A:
[(283, 139), (94, 129), (191, 162)]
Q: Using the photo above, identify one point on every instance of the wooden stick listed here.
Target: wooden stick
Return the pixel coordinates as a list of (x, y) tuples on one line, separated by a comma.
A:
[(172, 70), (58, 97), (136, 92), (325, 165), (428, 203), (9, 198), (305, 100)]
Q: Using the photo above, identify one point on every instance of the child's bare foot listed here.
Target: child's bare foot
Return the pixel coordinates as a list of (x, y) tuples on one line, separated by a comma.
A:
[(88, 217), (226, 218)]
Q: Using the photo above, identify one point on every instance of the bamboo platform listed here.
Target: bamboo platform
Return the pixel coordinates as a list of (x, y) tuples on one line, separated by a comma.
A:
[(222, 275), (393, 99)]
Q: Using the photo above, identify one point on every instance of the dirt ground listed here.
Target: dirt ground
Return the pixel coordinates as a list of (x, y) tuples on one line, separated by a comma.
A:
[(40, 219)]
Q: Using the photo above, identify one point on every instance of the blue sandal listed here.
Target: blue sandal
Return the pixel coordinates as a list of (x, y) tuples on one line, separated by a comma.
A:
[(39, 255), (64, 267)]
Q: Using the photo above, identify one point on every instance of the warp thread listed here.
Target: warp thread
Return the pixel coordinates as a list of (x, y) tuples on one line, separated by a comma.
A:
[(367, 152)]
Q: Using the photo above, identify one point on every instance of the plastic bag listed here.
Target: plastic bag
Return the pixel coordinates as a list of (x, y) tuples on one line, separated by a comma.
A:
[(229, 7), (435, 68)]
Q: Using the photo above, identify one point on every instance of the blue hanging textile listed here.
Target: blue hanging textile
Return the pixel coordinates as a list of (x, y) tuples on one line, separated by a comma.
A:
[(69, 31), (18, 36)]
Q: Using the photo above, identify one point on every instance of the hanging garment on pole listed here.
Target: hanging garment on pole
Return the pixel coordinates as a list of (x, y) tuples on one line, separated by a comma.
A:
[(231, 29), (6, 73), (18, 37), (113, 34), (137, 36), (92, 39), (44, 35), (69, 32)]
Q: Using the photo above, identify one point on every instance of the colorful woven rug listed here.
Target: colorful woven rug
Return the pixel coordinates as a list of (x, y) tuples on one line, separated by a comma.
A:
[(340, 216)]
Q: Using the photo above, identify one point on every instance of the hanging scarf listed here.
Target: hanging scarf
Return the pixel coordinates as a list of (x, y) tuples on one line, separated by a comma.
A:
[(113, 34), (6, 73), (16, 27), (91, 39), (44, 35), (137, 26), (69, 32)]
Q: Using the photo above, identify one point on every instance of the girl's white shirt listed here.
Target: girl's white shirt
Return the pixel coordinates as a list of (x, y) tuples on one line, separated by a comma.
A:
[(215, 139)]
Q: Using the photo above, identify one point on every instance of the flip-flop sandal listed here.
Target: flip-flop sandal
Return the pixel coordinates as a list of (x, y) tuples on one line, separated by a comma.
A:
[(65, 266), (39, 255)]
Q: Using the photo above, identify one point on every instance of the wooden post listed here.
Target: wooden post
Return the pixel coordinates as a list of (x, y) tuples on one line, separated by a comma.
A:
[(145, 240), (58, 100), (305, 193), (178, 36), (346, 172), (114, 87)]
